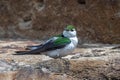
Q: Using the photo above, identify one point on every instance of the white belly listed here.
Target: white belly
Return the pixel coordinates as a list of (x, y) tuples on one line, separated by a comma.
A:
[(62, 52)]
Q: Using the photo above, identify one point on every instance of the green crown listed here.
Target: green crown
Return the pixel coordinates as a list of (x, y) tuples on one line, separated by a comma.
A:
[(70, 27)]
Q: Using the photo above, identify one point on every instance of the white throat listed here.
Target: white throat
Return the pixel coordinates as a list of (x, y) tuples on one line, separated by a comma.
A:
[(74, 40), (72, 36)]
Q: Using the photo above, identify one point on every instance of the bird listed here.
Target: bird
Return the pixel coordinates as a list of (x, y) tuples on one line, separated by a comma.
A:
[(56, 47)]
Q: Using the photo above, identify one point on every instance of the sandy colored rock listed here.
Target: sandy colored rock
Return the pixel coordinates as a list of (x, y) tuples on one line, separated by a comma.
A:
[(8, 75), (89, 61)]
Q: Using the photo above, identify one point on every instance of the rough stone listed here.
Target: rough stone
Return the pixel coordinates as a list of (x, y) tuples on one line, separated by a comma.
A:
[(96, 66)]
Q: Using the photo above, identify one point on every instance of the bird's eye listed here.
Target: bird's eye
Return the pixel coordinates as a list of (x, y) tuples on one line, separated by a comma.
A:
[(72, 30)]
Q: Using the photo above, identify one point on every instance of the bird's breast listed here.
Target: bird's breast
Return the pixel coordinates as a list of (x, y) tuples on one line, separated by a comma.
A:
[(74, 41)]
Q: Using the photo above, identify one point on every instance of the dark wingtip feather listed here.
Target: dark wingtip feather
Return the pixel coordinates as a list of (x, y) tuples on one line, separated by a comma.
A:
[(20, 52), (26, 53)]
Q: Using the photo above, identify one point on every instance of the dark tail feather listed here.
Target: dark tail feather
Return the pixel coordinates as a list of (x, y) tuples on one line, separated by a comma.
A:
[(21, 52), (30, 52), (26, 53)]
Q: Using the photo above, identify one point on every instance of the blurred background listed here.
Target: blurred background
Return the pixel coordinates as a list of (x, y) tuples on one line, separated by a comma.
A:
[(95, 20), (29, 22)]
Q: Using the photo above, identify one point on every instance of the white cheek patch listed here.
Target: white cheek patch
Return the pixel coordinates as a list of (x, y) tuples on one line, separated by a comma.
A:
[(69, 33)]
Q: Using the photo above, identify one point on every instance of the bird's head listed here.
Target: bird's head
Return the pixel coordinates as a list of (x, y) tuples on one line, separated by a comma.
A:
[(69, 31)]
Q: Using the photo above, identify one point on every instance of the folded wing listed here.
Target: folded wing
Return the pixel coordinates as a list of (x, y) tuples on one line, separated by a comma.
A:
[(52, 44)]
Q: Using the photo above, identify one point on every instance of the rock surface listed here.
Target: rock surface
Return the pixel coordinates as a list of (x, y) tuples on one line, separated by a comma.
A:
[(95, 20), (89, 62)]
